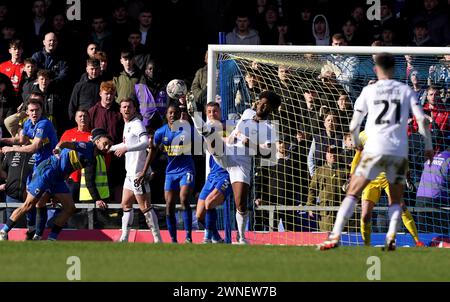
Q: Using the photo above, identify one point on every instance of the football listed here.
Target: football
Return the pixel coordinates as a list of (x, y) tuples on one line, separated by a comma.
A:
[(176, 89)]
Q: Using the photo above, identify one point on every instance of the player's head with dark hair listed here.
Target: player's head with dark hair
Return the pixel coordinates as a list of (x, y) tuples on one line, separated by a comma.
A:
[(385, 62), (34, 108), (101, 139), (268, 102), (212, 111), (173, 112)]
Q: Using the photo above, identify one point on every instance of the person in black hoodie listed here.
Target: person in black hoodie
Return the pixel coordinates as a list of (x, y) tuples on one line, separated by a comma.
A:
[(86, 92)]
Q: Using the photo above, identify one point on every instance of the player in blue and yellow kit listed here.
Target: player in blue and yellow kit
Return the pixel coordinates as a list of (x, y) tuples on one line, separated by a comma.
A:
[(49, 176), (38, 136), (217, 186), (174, 139)]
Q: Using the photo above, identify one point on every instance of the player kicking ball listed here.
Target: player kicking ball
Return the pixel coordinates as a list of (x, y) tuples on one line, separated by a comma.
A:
[(217, 186), (371, 195), (134, 146), (253, 135), (387, 104), (49, 176)]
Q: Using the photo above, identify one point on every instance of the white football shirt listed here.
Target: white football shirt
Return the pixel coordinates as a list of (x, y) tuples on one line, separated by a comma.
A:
[(132, 132), (387, 104), (257, 132)]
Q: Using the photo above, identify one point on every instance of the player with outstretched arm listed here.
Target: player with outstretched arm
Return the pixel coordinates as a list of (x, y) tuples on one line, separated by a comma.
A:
[(134, 145), (253, 135), (50, 175)]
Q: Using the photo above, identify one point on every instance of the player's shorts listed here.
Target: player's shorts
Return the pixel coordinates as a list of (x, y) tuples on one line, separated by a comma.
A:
[(238, 167), (175, 181), (45, 179), (371, 165), (136, 188), (222, 184), (372, 192)]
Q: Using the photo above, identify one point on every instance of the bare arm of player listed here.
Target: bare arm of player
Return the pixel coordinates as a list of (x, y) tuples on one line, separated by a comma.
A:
[(32, 148), (355, 127), (21, 140), (424, 128)]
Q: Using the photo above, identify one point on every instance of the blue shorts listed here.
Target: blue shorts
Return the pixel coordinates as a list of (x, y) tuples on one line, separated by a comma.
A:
[(175, 181), (220, 183), (45, 179)]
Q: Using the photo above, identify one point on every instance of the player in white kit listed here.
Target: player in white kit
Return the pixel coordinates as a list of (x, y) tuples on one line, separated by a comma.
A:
[(134, 145), (387, 104), (253, 135)]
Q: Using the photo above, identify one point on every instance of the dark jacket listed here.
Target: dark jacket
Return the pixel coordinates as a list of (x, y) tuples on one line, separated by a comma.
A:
[(84, 95), (52, 62), (17, 165)]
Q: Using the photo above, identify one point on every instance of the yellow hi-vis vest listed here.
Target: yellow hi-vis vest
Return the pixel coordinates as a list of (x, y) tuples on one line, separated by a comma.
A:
[(101, 181)]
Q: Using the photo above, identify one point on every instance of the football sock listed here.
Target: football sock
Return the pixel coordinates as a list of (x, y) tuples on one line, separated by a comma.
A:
[(211, 219), (395, 211), (172, 226), (343, 215), (9, 225), (152, 220), (127, 220), (366, 231), (409, 223), (187, 219), (41, 220), (241, 219)]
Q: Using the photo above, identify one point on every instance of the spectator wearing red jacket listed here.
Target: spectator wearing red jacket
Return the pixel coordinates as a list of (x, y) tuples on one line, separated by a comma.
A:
[(437, 115), (14, 67)]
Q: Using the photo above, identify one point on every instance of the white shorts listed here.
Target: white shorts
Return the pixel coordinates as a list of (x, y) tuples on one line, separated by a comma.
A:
[(371, 165), (239, 168), (136, 188)]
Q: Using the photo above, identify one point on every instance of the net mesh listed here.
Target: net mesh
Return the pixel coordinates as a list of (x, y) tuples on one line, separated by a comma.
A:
[(295, 201)]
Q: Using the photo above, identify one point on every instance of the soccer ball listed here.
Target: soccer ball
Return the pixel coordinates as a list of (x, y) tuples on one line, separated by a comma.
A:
[(176, 89)]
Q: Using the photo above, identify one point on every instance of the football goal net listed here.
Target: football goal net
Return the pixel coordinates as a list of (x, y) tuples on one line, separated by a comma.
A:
[(294, 199)]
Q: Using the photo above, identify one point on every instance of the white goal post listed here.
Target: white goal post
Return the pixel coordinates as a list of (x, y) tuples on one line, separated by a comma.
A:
[(214, 50), (228, 68)]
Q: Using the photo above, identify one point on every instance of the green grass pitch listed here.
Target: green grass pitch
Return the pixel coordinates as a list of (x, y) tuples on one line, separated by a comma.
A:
[(101, 261)]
